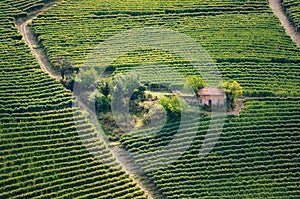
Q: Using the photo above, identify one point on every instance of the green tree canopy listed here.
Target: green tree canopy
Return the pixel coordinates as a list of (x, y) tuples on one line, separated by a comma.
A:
[(126, 84), (88, 78), (233, 91), (196, 82), (105, 86), (172, 105), (64, 66)]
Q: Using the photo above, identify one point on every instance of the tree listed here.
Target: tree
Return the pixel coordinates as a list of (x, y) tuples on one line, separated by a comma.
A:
[(126, 84), (139, 93), (104, 87), (195, 82), (102, 97), (88, 78), (102, 103), (172, 105), (233, 91), (64, 66)]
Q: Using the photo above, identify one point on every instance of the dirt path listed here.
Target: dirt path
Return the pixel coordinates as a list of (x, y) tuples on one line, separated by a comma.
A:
[(129, 165), (36, 51), (122, 157), (32, 42), (289, 28), (239, 105)]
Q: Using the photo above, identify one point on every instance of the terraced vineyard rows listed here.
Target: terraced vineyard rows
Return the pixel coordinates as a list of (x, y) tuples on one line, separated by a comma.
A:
[(42, 155), (264, 79), (292, 8), (25, 6), (215, 31), (257, 57), (257, 155)]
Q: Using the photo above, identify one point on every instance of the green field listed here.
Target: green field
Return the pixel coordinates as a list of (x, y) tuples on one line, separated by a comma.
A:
[(257, 55), (257, 155), (23, 8), (259, 37), (42, 154)]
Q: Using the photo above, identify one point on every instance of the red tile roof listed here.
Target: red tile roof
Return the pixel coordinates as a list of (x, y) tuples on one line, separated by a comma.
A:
[(210, 92)]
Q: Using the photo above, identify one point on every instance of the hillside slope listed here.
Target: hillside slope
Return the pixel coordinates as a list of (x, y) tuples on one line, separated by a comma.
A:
[(257, 155), (244, 38), (42, 154)]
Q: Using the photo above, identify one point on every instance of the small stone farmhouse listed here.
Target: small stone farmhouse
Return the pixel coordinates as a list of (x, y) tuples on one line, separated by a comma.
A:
[(211, 96)]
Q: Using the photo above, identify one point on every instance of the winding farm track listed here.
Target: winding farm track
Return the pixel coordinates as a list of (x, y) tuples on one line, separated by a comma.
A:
[(45, 65), (38, 53), (276, 6), (32, 42)]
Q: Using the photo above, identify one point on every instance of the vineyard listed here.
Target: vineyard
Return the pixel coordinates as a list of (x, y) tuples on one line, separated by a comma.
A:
[(256, 156), (292, 8), (216, 31), (258, 57), (22, 8), (42, 154), (263, 79)]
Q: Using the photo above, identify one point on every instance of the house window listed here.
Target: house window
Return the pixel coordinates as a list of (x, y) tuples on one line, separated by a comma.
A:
[(209, 102)]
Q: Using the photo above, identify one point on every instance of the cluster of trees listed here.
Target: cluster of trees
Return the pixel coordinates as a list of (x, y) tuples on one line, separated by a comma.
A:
[(125, 87), (122, 89), (67, 70), (129, 86), (114, 94), (173, 106)]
